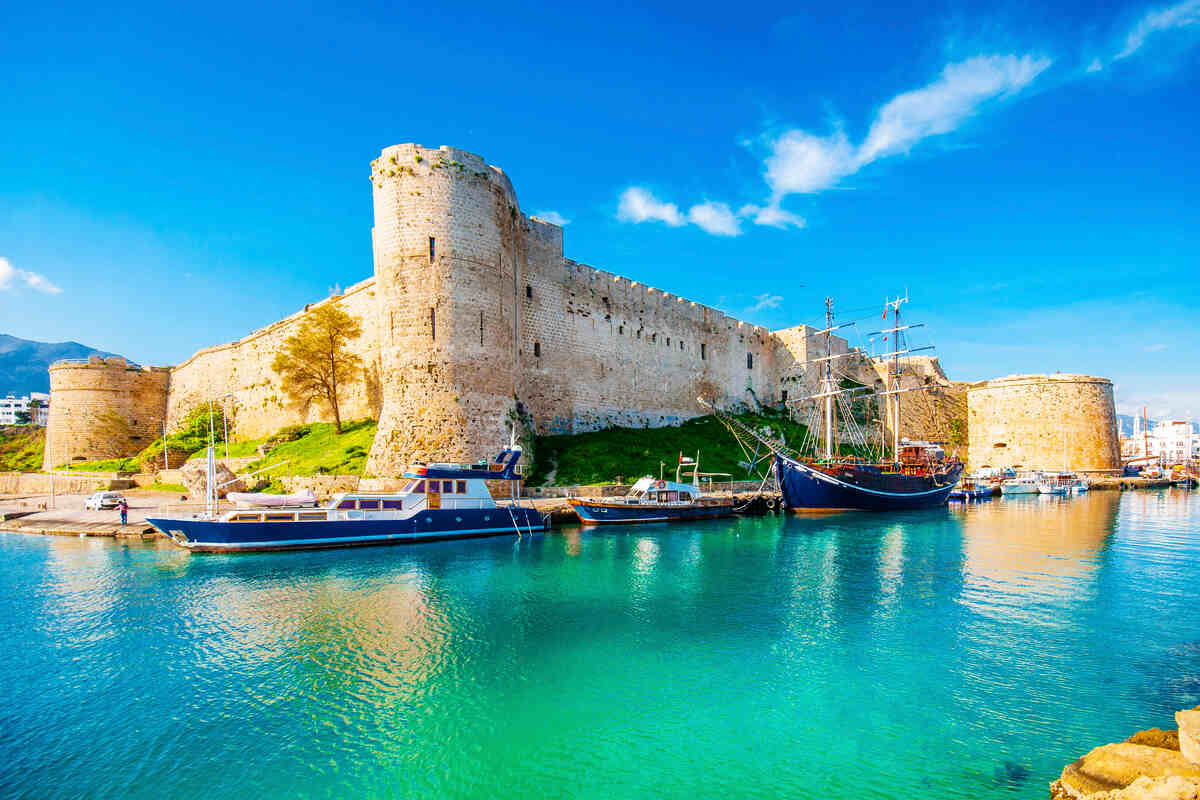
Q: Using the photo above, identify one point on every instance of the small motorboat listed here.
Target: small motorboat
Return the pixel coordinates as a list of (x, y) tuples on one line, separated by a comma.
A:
[(1057, 483), (1023, 483), (302, 499), (657, 500), (971, 489)]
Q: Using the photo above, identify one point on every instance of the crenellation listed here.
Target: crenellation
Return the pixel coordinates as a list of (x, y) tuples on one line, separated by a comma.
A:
[(474, 317)]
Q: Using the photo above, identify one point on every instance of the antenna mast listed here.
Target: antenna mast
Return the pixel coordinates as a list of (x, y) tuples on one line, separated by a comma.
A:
[(827, 383)]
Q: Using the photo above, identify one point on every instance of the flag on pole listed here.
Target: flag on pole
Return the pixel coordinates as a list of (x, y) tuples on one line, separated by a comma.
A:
[(686, 460)]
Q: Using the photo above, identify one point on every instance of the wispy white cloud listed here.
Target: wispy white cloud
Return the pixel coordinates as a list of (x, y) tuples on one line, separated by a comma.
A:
[(803, 163), (1180, 15), (553, 217), (715, 218), (11, 278), (765, 301), (1155, 348), (639, 205), (1095, 66)]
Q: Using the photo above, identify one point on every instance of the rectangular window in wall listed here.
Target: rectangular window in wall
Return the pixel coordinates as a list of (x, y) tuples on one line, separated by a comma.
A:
[(481, 327), (433, 324), (528, 291), (537, 349), (784, 395), (432, 250), (703, 351), (749, 360)]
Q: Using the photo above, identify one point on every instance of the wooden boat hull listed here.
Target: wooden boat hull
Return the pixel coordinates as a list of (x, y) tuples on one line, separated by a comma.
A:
[(600, 512), (805, 487), (214, 536)]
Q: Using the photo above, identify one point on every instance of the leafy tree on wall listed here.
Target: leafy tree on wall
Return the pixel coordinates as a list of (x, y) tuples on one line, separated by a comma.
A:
[(23, 417), (316, 362)]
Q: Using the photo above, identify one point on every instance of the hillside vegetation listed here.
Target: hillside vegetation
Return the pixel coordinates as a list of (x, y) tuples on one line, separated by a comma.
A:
[(629, 453), (21, 448)]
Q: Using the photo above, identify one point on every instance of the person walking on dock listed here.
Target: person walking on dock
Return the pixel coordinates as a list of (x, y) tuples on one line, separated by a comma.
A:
[(123, 507)]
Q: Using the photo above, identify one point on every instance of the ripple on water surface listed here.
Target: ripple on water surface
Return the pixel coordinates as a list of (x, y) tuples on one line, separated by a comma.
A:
[(962, 652)]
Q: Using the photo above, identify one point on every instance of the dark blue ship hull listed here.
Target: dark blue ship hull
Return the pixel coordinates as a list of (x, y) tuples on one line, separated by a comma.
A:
[(595, 512), (864, 487), (215, 536)]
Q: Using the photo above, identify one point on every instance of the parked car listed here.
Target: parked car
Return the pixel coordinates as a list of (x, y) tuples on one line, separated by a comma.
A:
[(103, 500)]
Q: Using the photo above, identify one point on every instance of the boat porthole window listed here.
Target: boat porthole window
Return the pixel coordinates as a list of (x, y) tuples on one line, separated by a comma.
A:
[(429, 519), (458, 519), (486, 518)]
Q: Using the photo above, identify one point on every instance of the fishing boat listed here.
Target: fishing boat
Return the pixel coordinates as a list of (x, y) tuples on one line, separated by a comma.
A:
[(657, 500), (1023, 483), (918, 475), (1057, 483), (440, 501), (971, 489)]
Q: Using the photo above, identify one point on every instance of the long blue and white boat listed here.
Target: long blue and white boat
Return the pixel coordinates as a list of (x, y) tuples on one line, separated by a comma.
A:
[(440, 501)]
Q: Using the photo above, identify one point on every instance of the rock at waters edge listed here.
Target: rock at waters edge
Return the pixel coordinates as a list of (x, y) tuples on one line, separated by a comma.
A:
[(1189, 734), (1113, 767)]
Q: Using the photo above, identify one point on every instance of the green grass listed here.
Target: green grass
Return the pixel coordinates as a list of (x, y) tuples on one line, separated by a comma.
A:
[(21, 448), (173, 488), (320, 450), (236, 449), (106, 465), (630, 453)]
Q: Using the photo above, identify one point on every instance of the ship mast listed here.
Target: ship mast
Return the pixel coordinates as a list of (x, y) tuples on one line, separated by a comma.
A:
[(827, 382)]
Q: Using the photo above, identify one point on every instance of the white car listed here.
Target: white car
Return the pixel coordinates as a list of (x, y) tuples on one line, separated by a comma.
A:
[(103, 500)]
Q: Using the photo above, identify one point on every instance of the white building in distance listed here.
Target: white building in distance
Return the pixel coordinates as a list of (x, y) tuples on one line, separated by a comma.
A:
[(36, 404), (1168, 442)]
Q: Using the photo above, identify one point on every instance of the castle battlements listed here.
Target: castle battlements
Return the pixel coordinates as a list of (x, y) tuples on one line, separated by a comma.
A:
[(473, 317)]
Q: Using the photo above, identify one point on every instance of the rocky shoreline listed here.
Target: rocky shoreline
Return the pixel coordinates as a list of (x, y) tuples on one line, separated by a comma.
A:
[(1150, 765)]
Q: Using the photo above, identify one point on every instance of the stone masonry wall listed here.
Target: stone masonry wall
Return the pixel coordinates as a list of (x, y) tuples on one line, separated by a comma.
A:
[(1044, 422), (259, 405), (103, 408), (474, 318)]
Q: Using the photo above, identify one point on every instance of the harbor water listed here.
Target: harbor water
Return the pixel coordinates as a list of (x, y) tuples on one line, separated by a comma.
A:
[(959, 652)]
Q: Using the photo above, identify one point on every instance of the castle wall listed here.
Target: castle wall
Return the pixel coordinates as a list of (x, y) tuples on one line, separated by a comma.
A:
[(103, 408), (474, 315), (259, 405), (1043, 422)]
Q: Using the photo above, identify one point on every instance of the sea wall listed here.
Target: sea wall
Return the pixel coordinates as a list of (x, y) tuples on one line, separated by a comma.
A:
[(1044, 422)]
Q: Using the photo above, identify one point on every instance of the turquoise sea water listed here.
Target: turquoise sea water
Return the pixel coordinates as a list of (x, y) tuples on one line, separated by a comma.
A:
[(951, 653)]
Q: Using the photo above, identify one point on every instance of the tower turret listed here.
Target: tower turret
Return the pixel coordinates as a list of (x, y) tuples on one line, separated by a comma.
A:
[(446, 245)]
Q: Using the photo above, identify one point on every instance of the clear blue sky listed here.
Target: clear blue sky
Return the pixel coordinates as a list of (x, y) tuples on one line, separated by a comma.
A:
[(172, 179)]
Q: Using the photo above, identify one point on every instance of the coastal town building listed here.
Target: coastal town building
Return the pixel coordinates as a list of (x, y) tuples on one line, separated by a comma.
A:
[(30, 409), (1167, 442)]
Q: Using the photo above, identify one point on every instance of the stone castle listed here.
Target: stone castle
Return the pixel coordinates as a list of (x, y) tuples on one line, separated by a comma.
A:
[(472, 321)]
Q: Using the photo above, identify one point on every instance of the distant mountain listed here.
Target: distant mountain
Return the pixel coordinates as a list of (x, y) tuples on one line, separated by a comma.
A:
[(24, 364)]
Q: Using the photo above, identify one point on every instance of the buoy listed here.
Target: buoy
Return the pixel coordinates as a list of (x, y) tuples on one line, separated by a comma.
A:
[(661, 484)]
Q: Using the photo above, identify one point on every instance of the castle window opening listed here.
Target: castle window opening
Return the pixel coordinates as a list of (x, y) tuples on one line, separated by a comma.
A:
[(703, 354), (433, 324), (537, 349), (528, 291), (749, 360), (431, 249), (481, 327), (681, 346), (668, 341), (620, 330), (1000, 445), (783, 396)]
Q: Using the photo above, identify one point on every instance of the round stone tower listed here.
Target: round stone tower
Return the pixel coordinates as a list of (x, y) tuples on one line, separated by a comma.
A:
[(1046, 422), (103, 408), (446, 245)]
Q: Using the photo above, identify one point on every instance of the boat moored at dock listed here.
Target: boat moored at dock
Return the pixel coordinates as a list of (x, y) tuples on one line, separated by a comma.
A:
[(650, 500), (440, 501)]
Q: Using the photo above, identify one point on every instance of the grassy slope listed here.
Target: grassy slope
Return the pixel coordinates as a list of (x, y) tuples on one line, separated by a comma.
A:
[(321, 451), (602, 456), (21, 448)]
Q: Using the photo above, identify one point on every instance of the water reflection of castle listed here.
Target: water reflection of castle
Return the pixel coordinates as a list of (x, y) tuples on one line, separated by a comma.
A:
[(1035, 548)]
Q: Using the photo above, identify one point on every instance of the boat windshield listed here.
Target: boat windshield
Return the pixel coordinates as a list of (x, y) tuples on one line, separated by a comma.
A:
[(414, 487)]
